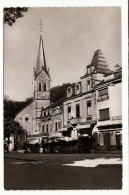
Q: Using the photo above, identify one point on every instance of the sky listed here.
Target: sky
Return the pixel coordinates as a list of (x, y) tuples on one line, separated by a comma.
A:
[(71, 36)]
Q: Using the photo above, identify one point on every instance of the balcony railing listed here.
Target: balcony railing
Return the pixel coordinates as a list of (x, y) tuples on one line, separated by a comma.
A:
[(103, 98)]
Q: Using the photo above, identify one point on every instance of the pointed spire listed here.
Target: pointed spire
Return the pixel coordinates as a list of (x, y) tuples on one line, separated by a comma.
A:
[(99, 62), (41, 61)]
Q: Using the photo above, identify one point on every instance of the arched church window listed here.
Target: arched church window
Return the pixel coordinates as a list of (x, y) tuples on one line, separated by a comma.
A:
[(39, 86), (44, 86)]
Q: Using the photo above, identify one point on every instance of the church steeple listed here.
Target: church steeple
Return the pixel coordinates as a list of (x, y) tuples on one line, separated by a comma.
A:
[(41, 61)]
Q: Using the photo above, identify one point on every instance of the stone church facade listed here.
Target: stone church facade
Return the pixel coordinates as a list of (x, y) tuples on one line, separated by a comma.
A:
[(28, 118)]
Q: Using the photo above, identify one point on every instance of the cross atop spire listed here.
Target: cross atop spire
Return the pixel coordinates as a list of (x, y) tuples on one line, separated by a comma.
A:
[(41, 26)]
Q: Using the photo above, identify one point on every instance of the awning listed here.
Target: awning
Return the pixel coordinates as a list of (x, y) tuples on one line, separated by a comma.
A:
[(63, 129), (83, 126), (109, 126), (84, 135), (55, 135)]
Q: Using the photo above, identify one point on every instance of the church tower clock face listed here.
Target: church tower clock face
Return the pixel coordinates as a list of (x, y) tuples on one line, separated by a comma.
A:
[(41, 95)]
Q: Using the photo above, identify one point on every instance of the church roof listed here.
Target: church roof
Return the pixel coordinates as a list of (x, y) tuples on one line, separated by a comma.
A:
[(41, 60)]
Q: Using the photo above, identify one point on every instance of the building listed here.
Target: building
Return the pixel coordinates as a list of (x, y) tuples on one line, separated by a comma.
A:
[(29, 116), (80, 104), (91, 105), (51, 121), (109, 110)]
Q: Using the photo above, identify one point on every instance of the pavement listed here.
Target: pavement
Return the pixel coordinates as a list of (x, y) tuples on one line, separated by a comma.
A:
[(36, 156), (62, 171)]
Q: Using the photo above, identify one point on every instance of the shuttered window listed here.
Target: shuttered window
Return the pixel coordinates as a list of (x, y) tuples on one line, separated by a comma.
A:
[(103, 92), (104, 114)]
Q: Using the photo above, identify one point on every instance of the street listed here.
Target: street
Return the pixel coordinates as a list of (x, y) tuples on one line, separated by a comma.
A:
[(62, 171)]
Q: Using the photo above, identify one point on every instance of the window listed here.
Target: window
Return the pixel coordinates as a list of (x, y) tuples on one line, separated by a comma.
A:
[(26, 119), (39, 86), (88, 85), (46, 128), (50, 127), (69, 112), (43, 128), (89, 108), (56, 126), (77, 110), (44, 86), (68, 90), (104, 114), (59, 124), (103, 92), (77, 87), (88, 70)]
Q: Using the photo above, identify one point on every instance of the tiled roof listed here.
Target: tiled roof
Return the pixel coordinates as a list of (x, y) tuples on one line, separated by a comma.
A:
[(99, 63)]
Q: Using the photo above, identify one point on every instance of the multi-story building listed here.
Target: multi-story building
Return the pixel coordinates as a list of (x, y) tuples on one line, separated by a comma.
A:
[(109, 110), (80, 104), (51, 120)]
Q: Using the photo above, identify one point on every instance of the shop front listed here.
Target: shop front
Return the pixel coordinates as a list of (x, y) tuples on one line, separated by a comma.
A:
[(110, 136)]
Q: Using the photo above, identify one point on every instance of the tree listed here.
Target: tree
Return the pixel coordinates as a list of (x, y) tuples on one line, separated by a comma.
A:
[(11, 14), (58, 92), (12, 127)]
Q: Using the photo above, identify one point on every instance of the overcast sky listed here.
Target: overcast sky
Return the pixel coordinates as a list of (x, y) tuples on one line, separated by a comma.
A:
[(71, 35)]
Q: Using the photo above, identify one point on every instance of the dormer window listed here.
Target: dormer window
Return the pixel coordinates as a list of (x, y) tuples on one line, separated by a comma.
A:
[(68, 90), (77, 87), (40, 86), (88, 85), (44, 86), (88, 70)]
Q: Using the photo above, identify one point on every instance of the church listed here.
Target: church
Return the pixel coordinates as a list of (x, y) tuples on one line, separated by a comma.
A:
[(28, 118)]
